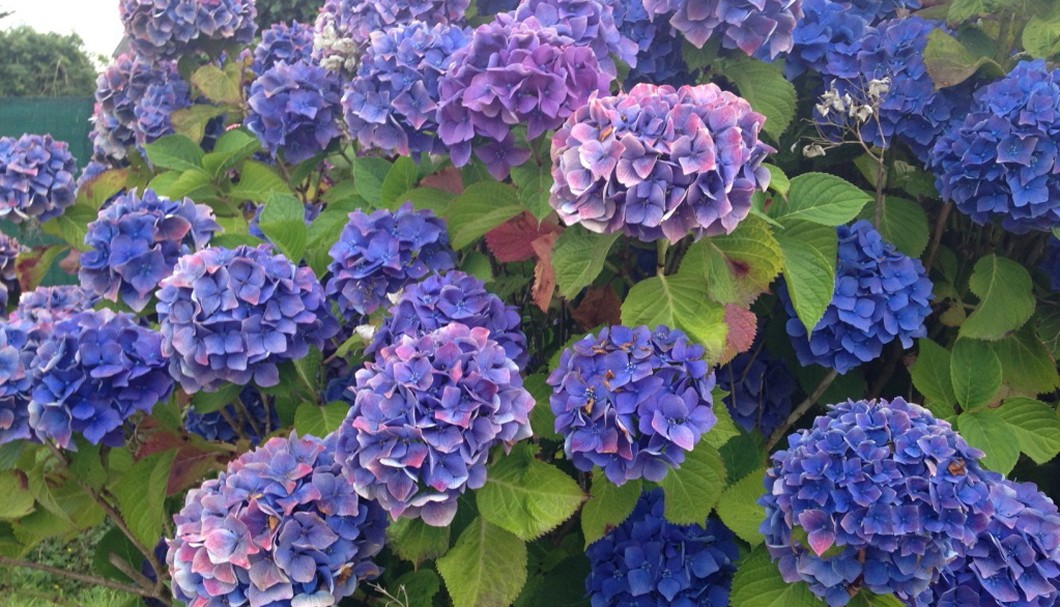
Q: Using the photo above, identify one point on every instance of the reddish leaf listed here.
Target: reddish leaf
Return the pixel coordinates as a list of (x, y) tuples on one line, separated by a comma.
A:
[(544, 275), (195, 458), (71, 264), (743, 325), (34, 263), (513, 240), (446, 180), (600, 306)]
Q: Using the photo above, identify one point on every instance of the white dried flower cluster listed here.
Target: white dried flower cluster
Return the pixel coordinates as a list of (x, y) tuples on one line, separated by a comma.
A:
[(845, 112), (336, 53)]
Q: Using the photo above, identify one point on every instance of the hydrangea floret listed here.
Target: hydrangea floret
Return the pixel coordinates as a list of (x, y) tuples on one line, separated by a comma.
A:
[(18, 345), (589, 23), (659, 162), (632, 401), (880, 295), (10, 249), (427, 411), (760, 389), (170, 28), (282, 42), (278, 527), (45, 306), (36, 178), (294, 110), (876, 495), (747, 25), (232, 315)]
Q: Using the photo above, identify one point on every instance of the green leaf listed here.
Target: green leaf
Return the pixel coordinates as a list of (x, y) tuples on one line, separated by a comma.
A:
[(1041, 36), (368, 176), (223, 86), (418, 587), (766, 88), (778, 179), (809, 268), (693, 489), (478, 265), (175, 152), (948, 62), (739, 510), (1035, 426), (737, 267), (416, 541), (401, 178), (141, 494), (17, 502), (72, 225), (1026, 364), (526, 496), (903, 223), (191, 121), (482, 207), (258, 183), (757, 583), (1006, 299), (542, 420), (114, 545), (322, 234), (985, 429), (208, 402), (931, 373), (486, 568), (434, 199), (283, 222), (97, 191), (534, 183), (975, 372), (681, 302), (232, 148), (193, 183), (314, 420), (578, 258), (608, 506), (725, 429), (820, 198)]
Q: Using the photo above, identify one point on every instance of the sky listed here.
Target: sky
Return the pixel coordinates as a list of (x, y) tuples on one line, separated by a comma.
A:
[(96, 21)]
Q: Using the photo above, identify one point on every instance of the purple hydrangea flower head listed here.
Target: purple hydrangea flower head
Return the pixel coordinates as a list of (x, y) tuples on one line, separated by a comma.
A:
[(294, 109), (589, 23), (632, 401), (171, 28), (155, 109), (513, 72), (880, 295), (659, 162), (252, 417), (18, 346), (650, 562), (43, 307), (452, 297), (1050, 263), (747, 25), (381, 253), (391, 103), (659, 56), (278, 527), (91, 373), (426, 413), (1001, 161), (826, 40), (36, 178), (760, 388), (287, 43), (232, 315), (136, 241), (10, 249), (876, 495)]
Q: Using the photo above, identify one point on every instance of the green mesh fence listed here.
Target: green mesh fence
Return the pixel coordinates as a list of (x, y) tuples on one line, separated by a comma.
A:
[(65, 118)]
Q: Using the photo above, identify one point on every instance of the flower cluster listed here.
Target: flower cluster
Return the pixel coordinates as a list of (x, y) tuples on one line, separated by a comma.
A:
[(659, 162), (45, 306), (426, 413), (1014, 563), (381, 253), (294, 110), (826, 40), (876, 495), (1001, 161), (136, 241), (231, 315), (251, 417), (512, 72), (453, 297), (279, 527), (760, 388), (880, 295), (171, 28), (91, 373), (36, 178), (650, 562), (287, 43), (747, 25), (18, 345), (659, 56), (10, 249), (391, 103), (589, 23), (632, 401)]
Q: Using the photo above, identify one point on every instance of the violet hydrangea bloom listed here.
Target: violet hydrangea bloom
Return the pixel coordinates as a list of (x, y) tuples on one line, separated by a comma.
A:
[(91, 373), (589, 23), (381, 253), (169, 29), (659, 162), (281, 42), (453, 297), (660, 59), (876, 495), (747, 25), (826, 40), (512, 73), (36, 178), (760, 388), (391, 103), (252, 417), (880, 295), (154, 111), (18, 346), (1001, 161), (10, 249), (278, 527), (232, 315), (136, 241), (45, 306), (426, 414), (632, 401), (294, 109), (648, 561)]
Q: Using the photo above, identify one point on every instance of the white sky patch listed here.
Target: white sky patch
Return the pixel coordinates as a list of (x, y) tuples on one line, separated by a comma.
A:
[(95, 21)]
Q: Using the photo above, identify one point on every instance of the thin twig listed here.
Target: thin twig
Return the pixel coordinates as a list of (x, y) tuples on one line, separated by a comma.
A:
[(80, 577), (940, 226), (801, 410)]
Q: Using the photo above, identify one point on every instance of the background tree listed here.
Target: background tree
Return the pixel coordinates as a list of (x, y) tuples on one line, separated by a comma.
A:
[(41, 64), (275, 11)]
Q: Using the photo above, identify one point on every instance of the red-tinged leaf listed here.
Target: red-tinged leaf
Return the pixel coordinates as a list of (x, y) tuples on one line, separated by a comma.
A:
[(33, 264), (743, 325), (512, 240), (71, 264), (195, 458), (446, 180), (600, 306), (544, 274)]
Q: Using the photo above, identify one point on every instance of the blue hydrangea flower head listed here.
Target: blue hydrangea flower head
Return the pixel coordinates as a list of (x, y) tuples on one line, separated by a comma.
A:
[(278, 527), (45, 306), (294, 110), (650, 562), (154, 111), (170, 28), (252, 418), (1050, 263), (660, 59), (457, 297), (589, 23), (875, 495), (659, 162), (826, 40), (10, 249), (95, 370), (380, 253), (19, 340), (282, 42), (747, 25), (391, 103), (880, 295), (36, 178), (136, 241), (513, 72), (1001, 162), (427, 411), (232, 315), (632, 401), (760, 388)]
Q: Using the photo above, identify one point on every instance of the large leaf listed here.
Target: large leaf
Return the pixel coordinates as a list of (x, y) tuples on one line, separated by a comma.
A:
[(975, 372), (820, 198), (368, 176), (739, 510), (682, 302), (283, 222), (578, 258), (17, 501), (486, 567), (1006, 300), (175, 152), (1026, 364), (758, 584), (809, 268), (1035, 426), (766, 88), (232, 148), (986, 430), (693, 489), (223, 86), (903, 223), (482, 207), (948, 62), (72, 225), (141, 494), (931, 373), (258, 183), (416, 541), (737, 267), (319, 421), (534, 183), (191, 121), (1041, 35), (399, 179), (608, 506)]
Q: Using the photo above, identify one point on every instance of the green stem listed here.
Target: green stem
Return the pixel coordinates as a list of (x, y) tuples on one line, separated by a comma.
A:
[(662, 246), (801, 410)]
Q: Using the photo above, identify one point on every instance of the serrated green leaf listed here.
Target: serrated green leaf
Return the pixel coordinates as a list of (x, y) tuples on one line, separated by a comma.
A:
[(17, 502), (867, 599), (416, 541), (578, 258), (542, 419), (903, 223), (368, 176), (778, 179), (72, 225), (679, 301), (282, 221), (820, 198), (986, 429), (534, 183), (809, 268), (975, 372), (231, 148), (434, 199), (737, 267), (322, 235), (931, 373), (97, 191), (526, 496), (724, 429), (418, 587), (114, 545), (757, 583), (693, 489), (220, 85), (1006, 298), (191, 183), (765, 87), (948, 62), (315, 420), (401, 178), (739, 510), (482, 207), (1026, 364), (1041, 36), (1035, 426), (141, 494), (191, 121), (175, 152), (486, 567), (608, 506), (208, 402), (258, 183)]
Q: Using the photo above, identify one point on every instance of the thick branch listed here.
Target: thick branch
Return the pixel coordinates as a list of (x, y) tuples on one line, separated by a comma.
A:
[(801, 410)]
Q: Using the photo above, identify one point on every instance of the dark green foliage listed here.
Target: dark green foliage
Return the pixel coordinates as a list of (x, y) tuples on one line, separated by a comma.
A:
[(35, 64), (275, 11)]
